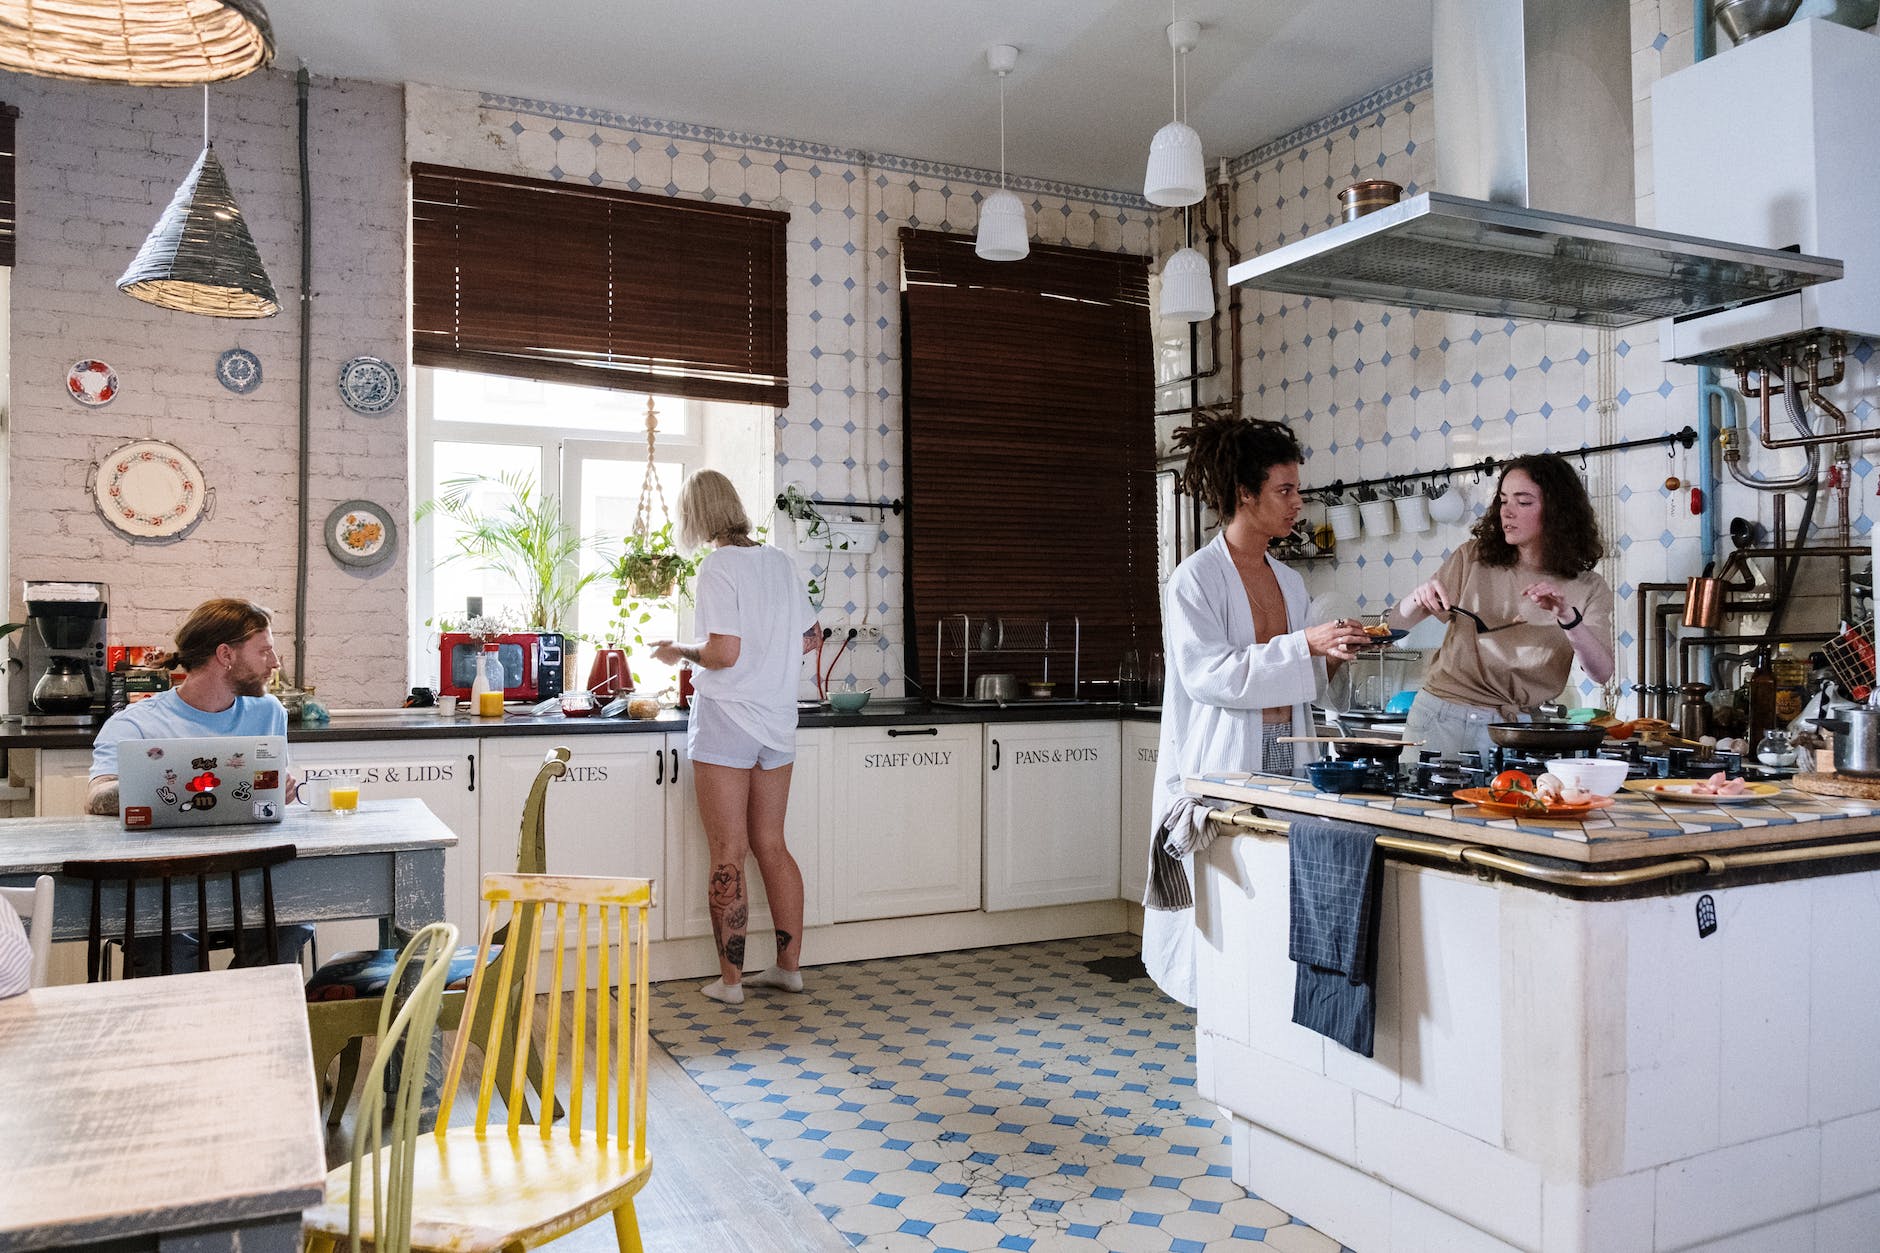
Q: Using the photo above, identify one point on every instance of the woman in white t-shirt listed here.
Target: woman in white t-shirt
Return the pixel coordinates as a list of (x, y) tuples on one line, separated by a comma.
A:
[(755, 623)]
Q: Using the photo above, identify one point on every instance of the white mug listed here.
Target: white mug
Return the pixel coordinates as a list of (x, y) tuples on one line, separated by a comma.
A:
[(318, 793)]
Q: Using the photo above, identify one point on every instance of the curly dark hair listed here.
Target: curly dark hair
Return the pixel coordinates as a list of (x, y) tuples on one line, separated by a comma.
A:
[(1570, 544), (1226, 453)]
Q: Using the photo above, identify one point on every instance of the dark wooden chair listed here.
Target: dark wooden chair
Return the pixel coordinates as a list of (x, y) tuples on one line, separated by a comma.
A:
[(199, 867)]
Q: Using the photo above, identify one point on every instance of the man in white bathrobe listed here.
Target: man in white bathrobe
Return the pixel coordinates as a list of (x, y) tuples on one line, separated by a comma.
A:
[(1242, 665)]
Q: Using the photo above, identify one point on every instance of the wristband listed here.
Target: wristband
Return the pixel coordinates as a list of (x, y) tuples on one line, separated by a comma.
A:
[(1578, 617)]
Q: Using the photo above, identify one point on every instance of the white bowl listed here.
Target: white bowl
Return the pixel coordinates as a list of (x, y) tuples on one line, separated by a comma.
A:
[(1597, 775)]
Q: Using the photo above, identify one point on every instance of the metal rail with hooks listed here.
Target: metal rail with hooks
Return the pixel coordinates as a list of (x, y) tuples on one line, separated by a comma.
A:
[(1488, 465)]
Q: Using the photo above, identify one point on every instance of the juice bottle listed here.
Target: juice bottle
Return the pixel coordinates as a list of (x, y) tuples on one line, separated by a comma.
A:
[(1791, 684)]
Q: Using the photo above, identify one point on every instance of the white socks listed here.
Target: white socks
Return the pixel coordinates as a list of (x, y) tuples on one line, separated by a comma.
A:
[(778, 977), (719, 990), (733, 993)]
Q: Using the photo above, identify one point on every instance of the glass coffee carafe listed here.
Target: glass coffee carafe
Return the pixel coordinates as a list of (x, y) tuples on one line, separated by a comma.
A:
[(65, 688)]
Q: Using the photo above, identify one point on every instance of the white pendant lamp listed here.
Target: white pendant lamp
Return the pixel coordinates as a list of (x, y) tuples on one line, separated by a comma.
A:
[(1177, 173), (1002, 233), (1187, 287)]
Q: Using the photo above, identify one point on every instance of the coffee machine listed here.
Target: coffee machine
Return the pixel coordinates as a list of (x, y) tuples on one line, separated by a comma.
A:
[(58, 676)]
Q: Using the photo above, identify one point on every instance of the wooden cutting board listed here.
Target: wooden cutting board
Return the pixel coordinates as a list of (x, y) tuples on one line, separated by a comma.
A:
[(1838, 785)]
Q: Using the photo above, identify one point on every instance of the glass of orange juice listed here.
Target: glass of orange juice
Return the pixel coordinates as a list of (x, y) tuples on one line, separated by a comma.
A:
[(489, 704), (345, 795)]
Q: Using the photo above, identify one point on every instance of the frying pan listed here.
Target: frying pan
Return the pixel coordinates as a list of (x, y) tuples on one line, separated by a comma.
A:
[(1547, 737)]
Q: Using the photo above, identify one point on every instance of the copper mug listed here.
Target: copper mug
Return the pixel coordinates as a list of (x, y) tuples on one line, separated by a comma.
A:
[(1703, 602)]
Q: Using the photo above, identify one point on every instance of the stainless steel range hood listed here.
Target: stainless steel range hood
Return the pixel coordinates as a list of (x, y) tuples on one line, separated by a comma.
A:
[(1534, 153)]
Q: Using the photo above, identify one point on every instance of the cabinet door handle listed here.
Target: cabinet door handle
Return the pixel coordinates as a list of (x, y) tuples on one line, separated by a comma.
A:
[(921, 731), (473, 771), (995, 754), (675, 766), (660, 759)]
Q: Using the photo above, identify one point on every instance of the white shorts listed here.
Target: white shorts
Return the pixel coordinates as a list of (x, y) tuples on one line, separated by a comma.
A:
[(713, 738)]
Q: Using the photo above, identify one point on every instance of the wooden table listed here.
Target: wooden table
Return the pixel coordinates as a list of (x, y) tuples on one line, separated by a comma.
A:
[(386, 861), (175, 1114)]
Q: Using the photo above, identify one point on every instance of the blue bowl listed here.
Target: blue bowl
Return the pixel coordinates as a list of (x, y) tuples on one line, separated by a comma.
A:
[(1337, 776), (848, 702)]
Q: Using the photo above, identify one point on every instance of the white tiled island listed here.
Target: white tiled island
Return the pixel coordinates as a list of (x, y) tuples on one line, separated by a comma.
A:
[(1555, 1069)]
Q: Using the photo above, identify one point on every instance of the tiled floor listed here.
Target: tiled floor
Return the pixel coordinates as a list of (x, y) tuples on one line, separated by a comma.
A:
[(1008, 1098)]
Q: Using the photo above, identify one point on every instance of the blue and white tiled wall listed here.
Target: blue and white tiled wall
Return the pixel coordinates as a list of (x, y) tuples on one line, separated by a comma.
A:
[(1372, 390), (840, 436)]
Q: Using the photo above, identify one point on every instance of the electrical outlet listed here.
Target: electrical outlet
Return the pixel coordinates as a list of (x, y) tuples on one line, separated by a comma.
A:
[(867, 631)]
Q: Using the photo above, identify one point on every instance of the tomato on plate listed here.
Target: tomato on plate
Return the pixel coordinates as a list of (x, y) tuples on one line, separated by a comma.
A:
[(1512, 787)]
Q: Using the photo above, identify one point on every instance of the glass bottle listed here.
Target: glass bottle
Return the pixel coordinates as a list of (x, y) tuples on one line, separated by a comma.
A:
[(1791, 684), (1762, 699), (1129, 679), (486, 690)]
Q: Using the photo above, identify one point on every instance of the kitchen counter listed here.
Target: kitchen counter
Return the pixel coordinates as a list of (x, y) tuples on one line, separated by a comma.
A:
[(1684, 1063), (1634, 827), (425, 724)]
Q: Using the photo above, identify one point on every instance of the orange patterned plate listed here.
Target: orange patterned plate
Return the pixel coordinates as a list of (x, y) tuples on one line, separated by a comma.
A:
[(1481, 798)]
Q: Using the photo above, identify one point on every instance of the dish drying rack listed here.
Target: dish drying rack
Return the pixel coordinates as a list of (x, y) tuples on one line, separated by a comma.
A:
[(1851, 656), (963, 637)]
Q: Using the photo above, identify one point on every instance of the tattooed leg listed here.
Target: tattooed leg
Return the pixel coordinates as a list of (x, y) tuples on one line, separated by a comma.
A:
[(786, 955), (730, 914)]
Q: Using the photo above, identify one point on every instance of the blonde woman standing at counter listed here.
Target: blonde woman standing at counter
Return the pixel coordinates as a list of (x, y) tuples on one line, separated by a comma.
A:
[(755, 623)]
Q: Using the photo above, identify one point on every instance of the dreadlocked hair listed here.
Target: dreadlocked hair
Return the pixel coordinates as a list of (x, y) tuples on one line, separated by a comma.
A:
[(1226, 453)]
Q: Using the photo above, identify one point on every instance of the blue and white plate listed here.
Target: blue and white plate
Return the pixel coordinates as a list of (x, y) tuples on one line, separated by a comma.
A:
[(368, 385), (238, 370)]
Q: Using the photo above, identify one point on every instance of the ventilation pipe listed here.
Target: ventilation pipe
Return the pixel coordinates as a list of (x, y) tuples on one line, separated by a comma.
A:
[(306, 394)]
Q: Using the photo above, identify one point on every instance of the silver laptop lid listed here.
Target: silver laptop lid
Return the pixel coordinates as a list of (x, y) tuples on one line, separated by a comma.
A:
[(202, 781)]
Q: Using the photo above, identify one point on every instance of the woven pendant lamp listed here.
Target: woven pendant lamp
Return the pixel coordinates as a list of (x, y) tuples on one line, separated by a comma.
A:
[(200, 257), (147, 43)]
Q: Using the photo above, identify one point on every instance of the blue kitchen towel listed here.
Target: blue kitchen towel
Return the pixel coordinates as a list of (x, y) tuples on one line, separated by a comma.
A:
[(1336, 873)]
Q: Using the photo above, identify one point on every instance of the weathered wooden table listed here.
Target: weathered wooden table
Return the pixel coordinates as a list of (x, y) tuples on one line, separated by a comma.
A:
[(174, 1114), (386, 861)]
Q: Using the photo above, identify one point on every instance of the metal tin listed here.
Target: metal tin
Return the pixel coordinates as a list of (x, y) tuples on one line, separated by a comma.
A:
[(1367, 197)]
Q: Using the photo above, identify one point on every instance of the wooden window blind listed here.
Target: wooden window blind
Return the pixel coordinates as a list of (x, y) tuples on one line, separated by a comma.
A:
[(1030, 436), (9, 205), (588, 285)]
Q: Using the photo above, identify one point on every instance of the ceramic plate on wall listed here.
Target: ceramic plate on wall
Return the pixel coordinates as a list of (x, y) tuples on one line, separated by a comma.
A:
[(91, 383), (149, 490), (368, 385), (360, 533), (238, 370)]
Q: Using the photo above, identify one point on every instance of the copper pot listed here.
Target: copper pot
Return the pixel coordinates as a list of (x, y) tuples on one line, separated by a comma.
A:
[(1703, 602), (1367, 197)]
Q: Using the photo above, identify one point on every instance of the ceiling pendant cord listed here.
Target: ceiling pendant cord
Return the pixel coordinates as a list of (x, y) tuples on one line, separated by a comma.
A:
[(1002, 74)]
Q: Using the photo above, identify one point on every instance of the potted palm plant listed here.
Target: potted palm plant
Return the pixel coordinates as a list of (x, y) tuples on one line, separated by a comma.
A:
[(509, 528)]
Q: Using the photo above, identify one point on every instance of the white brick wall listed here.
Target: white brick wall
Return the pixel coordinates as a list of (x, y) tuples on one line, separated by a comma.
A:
[(96, 167)]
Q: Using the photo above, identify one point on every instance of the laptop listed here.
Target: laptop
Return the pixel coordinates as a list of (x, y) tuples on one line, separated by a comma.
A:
[(202, 781)]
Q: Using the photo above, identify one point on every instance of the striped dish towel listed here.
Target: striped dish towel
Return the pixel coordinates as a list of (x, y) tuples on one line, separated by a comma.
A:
[(1335, 876), (1184, 829), (16, 953)]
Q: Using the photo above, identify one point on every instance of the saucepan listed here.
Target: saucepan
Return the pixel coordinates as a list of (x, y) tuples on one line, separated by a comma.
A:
[(1856, 740), (996, 687), (1554, 738)]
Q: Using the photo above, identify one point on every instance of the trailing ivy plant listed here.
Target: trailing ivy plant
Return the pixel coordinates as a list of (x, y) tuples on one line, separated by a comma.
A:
[(650, 571)]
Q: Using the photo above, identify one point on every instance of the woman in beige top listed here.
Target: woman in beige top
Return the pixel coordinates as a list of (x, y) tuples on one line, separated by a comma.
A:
[(1528, 574)]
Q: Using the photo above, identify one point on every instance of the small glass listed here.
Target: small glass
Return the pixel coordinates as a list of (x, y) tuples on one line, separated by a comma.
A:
[(577, 704), (345, 795), (1776, 750)]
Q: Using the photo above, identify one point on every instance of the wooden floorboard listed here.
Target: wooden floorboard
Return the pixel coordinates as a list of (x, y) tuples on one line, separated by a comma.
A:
[(711, 1189)]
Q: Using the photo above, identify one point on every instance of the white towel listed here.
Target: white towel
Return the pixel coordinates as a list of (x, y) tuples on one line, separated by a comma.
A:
[(16, 953)]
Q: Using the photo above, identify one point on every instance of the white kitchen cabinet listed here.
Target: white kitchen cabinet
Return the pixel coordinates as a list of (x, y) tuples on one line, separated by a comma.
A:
[(61, 782), (606, 816), (1140, 740), (1052, 813), (904, 833), (688, 856), (442, 774)]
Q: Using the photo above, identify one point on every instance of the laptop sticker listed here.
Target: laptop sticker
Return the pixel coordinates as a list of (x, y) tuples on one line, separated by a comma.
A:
[(243, 791), (266, 810), (154, 752), (266, 752), (167, 795), (137, 816), (203, 763), (266, 780), (236, 760), (206, 781)]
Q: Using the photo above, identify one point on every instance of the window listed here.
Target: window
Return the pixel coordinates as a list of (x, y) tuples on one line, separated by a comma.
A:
[(585, 446), (529, 277), (1030, 449)]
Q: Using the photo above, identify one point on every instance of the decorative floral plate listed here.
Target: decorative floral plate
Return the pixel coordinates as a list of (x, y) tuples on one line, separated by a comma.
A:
[(360, 533), (150, 490), (238, 370), (91, 383), (1685, 790), (1481, 798), (368, 385)]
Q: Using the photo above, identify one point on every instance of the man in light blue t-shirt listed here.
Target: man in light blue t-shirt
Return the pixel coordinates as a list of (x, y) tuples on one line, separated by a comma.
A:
[(226, 650)]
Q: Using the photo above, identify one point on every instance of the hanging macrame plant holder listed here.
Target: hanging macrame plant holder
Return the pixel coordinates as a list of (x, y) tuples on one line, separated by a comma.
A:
[(651, 576)]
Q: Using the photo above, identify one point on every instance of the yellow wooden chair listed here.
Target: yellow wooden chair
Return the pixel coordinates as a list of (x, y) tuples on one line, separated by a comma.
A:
[(340, 1025), (404, 1039), (481, 1188)]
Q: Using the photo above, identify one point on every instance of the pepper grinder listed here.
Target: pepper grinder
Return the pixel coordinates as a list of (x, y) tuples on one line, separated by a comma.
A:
[(1694, 710)]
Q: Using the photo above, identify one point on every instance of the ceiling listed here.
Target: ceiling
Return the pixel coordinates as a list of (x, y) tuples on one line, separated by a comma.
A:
[(907, 77)]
